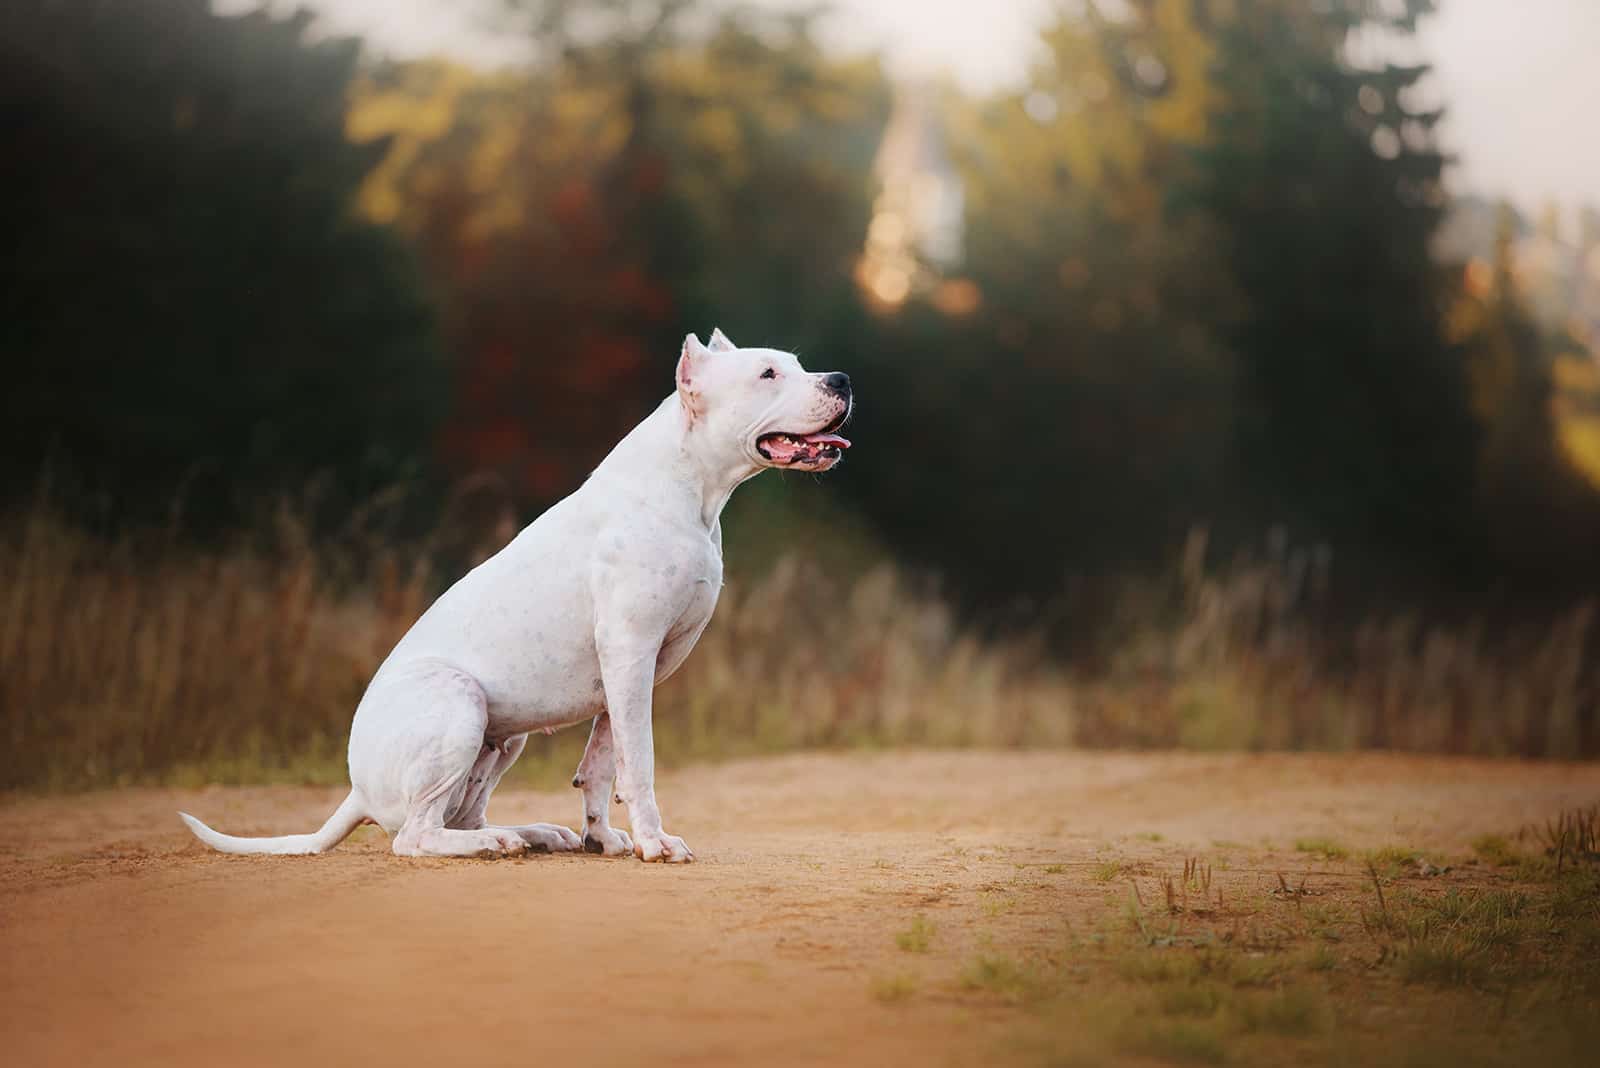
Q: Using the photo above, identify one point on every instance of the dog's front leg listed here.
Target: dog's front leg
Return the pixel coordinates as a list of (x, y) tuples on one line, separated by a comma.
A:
[(628, 669), (597, 774)]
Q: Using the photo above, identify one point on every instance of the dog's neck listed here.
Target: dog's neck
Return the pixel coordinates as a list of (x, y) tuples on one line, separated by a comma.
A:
[(667, 462)]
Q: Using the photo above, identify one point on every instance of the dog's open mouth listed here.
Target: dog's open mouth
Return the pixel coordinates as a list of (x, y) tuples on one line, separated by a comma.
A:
[(802, 450)]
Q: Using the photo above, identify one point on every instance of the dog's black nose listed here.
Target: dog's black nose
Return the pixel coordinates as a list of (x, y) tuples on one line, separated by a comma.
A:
[(837, 381)]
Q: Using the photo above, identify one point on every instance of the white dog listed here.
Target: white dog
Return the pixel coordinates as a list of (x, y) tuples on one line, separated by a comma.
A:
[(576, 619)]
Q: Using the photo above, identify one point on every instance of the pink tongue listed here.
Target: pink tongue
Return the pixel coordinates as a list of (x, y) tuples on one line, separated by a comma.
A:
[(826, 439)]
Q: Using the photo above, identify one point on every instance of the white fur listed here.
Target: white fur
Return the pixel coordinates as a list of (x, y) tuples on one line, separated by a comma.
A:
[(578, 618)]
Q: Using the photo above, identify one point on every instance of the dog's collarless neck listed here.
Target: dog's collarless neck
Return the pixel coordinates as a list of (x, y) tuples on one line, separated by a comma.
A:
[(660, 469)]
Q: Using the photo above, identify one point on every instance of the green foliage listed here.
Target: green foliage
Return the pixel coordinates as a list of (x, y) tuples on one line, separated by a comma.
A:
[(1195, 276), (1525, 474), (1354, 420), (1202, 238), (1084, 401)]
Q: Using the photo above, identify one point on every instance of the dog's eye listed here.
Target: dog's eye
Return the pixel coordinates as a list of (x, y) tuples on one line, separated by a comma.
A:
[(769, 373)]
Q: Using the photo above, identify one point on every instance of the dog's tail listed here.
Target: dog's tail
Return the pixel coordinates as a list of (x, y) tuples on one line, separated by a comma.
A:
[(346, 818)]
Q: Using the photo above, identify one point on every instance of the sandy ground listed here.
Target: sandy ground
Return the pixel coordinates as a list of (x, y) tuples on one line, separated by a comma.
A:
[(122, 941)]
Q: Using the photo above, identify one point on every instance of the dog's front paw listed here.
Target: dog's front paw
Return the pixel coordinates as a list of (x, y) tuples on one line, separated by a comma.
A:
[(662, 846), (607, 841)]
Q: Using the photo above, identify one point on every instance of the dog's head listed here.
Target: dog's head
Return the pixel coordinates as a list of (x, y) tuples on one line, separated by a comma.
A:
[(762, 405)]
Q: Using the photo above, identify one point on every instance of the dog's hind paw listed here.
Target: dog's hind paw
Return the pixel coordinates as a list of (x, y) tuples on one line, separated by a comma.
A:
[(548, 838), (509, 843), (443, 842)]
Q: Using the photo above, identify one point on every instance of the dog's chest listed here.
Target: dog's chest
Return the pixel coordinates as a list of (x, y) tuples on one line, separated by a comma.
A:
[(705, 586), (702, 603)]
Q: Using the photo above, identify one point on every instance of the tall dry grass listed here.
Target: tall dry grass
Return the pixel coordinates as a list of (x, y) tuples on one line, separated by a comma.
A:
[(140, 660), (143, 660), (1262, 654)]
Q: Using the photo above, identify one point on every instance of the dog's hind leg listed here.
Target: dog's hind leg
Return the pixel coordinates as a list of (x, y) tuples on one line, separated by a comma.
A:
[(597, 772), (432, 720), (492, 763)]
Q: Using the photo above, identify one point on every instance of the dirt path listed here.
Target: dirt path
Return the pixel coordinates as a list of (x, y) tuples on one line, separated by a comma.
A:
[(123, 942)]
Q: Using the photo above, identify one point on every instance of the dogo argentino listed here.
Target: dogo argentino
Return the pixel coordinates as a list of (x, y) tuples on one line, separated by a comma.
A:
[(578, 618)]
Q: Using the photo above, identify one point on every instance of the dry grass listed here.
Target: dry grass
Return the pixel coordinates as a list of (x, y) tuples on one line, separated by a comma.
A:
[(135, 659), (145, 660), (142, 660), (1265, 653)]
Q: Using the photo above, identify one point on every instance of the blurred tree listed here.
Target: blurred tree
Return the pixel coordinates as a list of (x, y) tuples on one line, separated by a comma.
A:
[(1077, 419), (1354, 422), (189, 297), (1201, 238), (1542, 517), (638, 183), (1196, 285)]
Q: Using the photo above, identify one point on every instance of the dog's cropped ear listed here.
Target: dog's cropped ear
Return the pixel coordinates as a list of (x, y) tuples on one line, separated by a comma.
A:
[(691, 367), (720, 342)]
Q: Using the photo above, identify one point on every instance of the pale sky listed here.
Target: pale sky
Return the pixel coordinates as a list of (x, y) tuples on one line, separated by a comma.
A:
[(1521, 78)]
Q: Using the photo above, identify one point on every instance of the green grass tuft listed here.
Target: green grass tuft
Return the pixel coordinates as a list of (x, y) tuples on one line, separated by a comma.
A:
[(1446, 962), (894, 989), (1320, 959), (1191, 999), (1391, 861), (1495, 849), (1000, 974), (916, 938), (1322, 847), (1183, 1041), (1293, 1013)]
